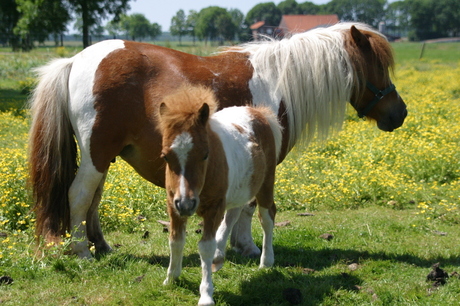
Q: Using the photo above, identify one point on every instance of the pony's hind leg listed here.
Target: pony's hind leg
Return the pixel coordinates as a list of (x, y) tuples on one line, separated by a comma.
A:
[(241, 237), (81, 195), (230, 218), (93, 224)]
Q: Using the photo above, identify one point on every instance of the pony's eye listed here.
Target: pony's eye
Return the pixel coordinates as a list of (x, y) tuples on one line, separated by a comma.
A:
[(206, 156), (163, 155)]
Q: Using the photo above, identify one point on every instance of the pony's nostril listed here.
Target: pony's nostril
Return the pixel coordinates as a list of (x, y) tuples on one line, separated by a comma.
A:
[(177, 204), (192, 204)]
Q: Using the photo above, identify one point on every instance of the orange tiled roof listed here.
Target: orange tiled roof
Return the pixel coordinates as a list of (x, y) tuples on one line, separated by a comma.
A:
[(302, 23), (257, 25)]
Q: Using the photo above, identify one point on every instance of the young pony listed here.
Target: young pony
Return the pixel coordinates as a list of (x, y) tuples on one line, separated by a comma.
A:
[(107, 98), (215, 162)]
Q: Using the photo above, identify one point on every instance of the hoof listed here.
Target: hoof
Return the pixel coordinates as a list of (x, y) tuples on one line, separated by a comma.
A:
[(206, 301), (251, 252), (217, 264)]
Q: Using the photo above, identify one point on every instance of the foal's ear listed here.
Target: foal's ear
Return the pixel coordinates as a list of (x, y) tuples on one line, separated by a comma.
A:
[(163, 109), (204, 113), (360, 39)]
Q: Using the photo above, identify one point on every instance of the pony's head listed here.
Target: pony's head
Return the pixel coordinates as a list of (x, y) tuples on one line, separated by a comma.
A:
[(183, 121), (374, 95)]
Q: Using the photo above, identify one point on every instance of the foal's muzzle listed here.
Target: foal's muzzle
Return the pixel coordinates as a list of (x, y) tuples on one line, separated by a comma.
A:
[(186, 207)]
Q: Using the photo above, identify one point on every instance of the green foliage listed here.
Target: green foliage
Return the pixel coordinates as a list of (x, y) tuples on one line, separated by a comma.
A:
[(367, 11), (267, 12), (137, 26), (179, 26)]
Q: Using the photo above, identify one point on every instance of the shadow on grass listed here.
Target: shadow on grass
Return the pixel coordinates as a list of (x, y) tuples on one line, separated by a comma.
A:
[(12, 100)]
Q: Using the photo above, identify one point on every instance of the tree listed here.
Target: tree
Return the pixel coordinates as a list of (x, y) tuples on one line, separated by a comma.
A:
[(192, 19), (434, 18), (308, 8), (179, 25), (238, 20), (397, 18), (91, 11), (288, 7), (9, 17), (155, 30), (367, 11), (114, 28), (267, 12), (38, 19), (137, 26), (210, 22)]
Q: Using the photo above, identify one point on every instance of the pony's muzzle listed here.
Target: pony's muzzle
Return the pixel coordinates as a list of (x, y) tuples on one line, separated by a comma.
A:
[(186, 207)]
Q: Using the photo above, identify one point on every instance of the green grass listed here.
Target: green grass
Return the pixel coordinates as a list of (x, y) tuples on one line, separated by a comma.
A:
[(391, 201)]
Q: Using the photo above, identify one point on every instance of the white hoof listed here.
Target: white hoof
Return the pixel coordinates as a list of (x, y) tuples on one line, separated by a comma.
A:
[(206, 301)]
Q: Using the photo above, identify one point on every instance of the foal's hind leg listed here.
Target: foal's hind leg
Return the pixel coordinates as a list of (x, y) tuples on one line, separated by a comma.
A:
[(81, 195), (230, 218), (93, 224), (267, 212), (241, 237)]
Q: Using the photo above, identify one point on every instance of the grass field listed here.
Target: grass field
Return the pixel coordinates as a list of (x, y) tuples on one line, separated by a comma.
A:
[(390, 200)]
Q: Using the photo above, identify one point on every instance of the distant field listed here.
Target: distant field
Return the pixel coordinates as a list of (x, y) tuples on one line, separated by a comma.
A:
[(390, 200)]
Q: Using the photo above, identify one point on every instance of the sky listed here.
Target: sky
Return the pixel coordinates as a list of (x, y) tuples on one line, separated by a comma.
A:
[(161, 11)]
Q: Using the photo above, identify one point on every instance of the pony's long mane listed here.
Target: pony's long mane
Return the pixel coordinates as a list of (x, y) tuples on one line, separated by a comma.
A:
[(314, 75), (183, 106)]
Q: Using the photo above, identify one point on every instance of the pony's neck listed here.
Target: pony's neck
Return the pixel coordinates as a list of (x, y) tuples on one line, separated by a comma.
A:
[(312, 74)]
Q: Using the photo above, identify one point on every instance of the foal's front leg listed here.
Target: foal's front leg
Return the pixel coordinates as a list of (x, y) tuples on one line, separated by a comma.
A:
[(176, 246), (207, 248)]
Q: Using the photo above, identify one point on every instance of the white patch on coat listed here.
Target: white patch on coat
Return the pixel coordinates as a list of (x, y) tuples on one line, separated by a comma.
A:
[(238, 150), (81, 82), (181, 146)]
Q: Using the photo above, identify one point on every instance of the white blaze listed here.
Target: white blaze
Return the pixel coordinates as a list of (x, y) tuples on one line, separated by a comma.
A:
[(181, 145)]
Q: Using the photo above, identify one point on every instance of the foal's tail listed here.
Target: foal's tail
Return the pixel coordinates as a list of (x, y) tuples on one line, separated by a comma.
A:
[(52, 150)]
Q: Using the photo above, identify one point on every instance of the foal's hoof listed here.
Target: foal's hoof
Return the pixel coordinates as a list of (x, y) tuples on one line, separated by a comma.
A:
[(217, 264), (206, 301)]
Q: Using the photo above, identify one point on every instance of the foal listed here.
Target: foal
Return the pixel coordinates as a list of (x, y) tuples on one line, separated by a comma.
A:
[(215, 162)]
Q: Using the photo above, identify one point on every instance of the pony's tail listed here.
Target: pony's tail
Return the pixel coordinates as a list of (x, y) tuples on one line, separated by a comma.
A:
[(52, 150)]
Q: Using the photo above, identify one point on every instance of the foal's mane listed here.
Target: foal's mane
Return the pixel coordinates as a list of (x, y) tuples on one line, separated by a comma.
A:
[(314, 73), (182, 107)]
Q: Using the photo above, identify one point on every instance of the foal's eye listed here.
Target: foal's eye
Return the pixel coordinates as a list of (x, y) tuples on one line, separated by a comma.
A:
[(164, 156), (206, 156)]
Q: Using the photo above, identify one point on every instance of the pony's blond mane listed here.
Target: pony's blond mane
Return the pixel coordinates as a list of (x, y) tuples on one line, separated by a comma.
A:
[(313, 74), (182, 107)]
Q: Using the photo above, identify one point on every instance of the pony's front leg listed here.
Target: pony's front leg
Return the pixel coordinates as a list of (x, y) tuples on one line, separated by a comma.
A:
[(230, 218), (81, 194), (176, 246)]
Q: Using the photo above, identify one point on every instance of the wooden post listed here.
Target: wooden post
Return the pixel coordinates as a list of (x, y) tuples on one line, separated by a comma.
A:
[(421, 52)]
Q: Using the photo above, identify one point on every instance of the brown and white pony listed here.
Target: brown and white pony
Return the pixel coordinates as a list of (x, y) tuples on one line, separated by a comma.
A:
[(107, 97), (215, 162)]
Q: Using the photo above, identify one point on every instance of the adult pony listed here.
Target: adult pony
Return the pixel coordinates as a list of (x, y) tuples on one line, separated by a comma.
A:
[(214, 162), (107, 97)]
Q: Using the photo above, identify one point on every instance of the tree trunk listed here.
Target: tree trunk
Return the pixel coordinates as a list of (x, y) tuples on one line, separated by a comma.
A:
[(85, 19)]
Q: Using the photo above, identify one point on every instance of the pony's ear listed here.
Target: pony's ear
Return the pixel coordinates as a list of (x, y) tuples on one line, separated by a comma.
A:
[(360, 39), (163, 109), (204, 113)]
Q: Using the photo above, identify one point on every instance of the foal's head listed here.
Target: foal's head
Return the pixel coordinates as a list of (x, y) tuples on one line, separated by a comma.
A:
[(183, 120), (374, 94)]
